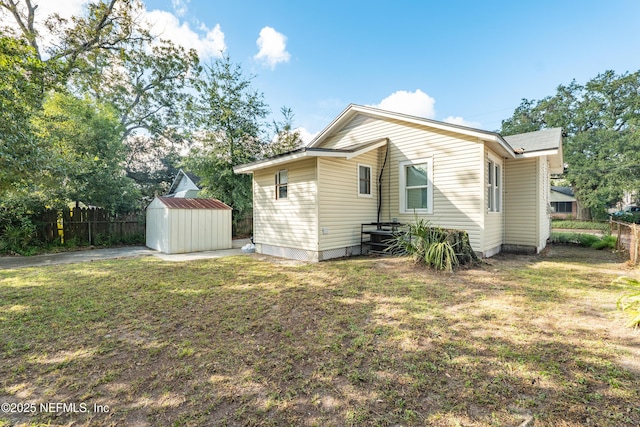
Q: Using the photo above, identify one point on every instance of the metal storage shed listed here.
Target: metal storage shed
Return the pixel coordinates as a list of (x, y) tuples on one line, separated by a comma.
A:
[(176, 225)]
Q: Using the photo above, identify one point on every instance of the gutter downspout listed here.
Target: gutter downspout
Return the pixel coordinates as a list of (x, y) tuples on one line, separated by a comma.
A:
[(386, 154)]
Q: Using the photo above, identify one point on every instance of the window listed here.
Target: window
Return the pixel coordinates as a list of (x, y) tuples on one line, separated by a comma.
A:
[(282, 179), (494, 187), (416, 189), (562, 207), (364, 180)]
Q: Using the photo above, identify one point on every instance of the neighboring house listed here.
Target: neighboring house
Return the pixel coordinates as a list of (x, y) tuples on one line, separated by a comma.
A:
[(371, 165), (184, 186), (563, 203)]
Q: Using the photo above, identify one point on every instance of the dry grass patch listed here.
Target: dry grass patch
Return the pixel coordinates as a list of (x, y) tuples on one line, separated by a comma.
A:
[(247, 341)]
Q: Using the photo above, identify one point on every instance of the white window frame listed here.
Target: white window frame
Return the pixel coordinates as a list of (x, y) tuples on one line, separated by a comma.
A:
[(403, 189), (495, 176), (280, 184), (370, 194)]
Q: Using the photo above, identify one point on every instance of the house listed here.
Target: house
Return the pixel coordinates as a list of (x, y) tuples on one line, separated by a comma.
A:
[(184, 186), (374, 166), (563, 203)]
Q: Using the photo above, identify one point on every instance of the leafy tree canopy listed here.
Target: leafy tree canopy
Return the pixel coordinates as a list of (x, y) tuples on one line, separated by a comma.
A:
[(22, 87), (87, 137), (230, 118), (600, 120)]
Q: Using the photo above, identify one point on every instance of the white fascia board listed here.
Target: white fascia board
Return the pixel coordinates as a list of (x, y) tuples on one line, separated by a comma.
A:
[(250, 167), (499, 146), (366, 149), (353, 109), (540, 153), (554, 155)]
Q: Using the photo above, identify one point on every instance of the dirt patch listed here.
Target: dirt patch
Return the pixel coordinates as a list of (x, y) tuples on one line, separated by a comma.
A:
[(255, 340)]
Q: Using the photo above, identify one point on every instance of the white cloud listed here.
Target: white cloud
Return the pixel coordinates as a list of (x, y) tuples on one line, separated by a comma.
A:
[(167, 26), (180, 6), (306, 136), (64, 8), (457, 120), (45, 8), (415, 103), (272, 47), (208, 42)]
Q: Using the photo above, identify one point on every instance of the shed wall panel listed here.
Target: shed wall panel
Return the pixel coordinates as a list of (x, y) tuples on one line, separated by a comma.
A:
[(174, 230)]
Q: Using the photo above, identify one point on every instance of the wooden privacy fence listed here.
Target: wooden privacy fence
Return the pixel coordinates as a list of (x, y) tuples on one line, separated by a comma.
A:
[(243, 226), (628, 239), (85, 226)]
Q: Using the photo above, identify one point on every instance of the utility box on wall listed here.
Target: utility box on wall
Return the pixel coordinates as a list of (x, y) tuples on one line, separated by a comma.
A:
[(177, 225)]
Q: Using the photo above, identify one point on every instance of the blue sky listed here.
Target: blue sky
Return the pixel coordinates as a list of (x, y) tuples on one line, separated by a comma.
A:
[(470, 62)]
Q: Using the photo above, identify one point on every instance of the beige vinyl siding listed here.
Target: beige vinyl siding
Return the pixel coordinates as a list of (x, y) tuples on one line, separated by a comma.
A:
[(458, 193), (544, 231), (290, 222), (493, 221), (521, 186), (341, 209)]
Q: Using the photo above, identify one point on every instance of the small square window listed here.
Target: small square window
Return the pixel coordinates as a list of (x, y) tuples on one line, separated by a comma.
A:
[(282, 180), (364, 180)]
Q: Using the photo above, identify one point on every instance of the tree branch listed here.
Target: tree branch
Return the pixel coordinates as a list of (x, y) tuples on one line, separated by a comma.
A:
[(28, 29)]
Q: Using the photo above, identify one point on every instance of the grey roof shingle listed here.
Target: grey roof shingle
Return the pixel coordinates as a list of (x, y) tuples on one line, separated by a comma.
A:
[(546, 139), (564, 190)]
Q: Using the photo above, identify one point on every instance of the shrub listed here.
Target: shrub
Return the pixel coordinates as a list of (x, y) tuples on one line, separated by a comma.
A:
[(436, 247), (587, 240), (607, 242), (584, 225), (630, 302), (18, 239), (441, 256), (628, 217), (584, 239)]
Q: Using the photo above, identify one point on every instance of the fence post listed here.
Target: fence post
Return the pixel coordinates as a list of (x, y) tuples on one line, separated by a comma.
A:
[(635, 244)]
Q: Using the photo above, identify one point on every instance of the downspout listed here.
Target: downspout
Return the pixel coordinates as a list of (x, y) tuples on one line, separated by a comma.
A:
[(386, 154)]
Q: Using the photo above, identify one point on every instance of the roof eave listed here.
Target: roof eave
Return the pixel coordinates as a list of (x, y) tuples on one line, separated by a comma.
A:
[(556, 164), (354, 109), (308, 152), (266, 163)]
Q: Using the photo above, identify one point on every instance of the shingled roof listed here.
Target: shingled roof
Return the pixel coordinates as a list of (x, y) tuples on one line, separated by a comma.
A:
[(180, 203), (546, 139)]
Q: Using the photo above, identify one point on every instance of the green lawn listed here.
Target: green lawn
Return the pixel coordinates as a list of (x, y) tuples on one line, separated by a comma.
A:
[(253, 341)]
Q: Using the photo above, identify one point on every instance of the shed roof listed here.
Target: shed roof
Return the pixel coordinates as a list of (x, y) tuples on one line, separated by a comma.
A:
[(180, 203)]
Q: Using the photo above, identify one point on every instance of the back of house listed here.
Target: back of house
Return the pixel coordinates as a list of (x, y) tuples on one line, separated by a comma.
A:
[(371, 166)]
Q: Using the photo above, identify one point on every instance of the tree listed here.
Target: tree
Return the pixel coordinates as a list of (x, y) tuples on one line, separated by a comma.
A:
[(229, 114), (23, 82), (600, 122), (111, 55), (87, 136), (286, 138)]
